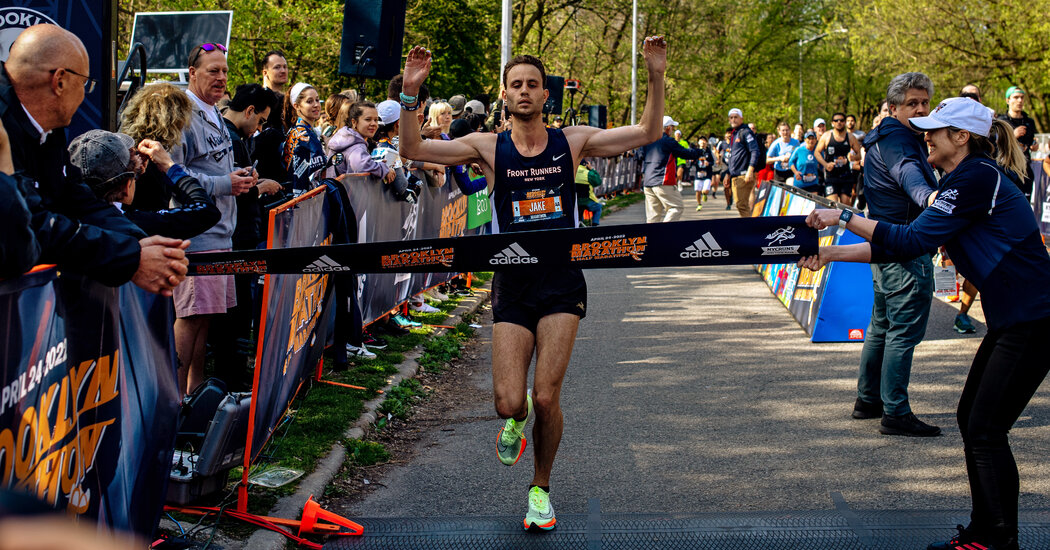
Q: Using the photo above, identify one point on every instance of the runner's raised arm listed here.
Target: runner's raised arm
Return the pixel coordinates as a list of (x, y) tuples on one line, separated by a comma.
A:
[(607, 143), (459, 151)]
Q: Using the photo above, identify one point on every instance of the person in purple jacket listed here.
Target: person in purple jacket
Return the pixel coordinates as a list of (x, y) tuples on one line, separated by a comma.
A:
[(351, 140), (983, 219)]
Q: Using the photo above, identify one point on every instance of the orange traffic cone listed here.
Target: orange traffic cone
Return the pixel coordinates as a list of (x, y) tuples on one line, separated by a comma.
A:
[(312, 512)]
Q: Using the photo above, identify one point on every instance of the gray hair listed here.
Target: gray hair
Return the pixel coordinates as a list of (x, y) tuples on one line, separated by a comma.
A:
[(901, 83)]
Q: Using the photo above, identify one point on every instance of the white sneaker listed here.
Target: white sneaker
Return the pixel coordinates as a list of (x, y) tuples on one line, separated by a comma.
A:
[(436, 294), (423, 307), (359, 352)]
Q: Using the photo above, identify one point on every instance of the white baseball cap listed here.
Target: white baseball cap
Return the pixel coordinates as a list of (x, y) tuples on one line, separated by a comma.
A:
[(736, 112), (668, 121), (818, 122), (957, 112), (389, 112)]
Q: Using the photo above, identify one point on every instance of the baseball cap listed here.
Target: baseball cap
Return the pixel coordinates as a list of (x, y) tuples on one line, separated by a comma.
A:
[(957, 112), (475, 107), (458, 103), (736, 112), (668, 121), (818, 122), (809, 134), (389, 112), (101, 155), (1013, 90)]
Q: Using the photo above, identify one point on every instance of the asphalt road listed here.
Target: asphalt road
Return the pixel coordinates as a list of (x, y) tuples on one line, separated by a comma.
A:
[(692, 390)]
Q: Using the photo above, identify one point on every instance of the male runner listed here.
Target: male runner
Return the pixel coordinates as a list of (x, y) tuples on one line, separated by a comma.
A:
[(833, 153), (539, 310)]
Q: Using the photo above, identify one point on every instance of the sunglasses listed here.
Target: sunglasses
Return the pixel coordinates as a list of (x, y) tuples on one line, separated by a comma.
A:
[(838, 120), (209, 47), (89, 83)]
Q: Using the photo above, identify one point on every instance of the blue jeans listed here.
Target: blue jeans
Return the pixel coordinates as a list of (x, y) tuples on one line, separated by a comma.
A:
[(903, 293), (594, 207)]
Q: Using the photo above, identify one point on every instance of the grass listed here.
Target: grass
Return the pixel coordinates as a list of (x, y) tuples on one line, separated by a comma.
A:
[(621, 201), (322, 413)]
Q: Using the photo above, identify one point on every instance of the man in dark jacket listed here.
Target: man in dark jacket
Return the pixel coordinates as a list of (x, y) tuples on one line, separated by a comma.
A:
[(42, 84), (19, 248), (663, 201), (744, 162), (1024, 131), (898, 184)]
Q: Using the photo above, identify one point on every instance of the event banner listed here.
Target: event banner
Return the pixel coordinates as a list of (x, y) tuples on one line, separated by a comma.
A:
[(686, 243), (438, 212), (844, 288), (89, 400), (297, 316)]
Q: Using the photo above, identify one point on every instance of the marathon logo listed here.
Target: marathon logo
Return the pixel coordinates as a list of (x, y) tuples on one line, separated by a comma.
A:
[(324, 264), (233, 267), (13, 21), (513, 255), (416, 258), (605, 249), (779, 236), (704, 247)]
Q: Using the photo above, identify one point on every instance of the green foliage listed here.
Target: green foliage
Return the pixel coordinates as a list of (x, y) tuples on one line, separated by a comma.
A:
[(400, 398), (441, 351), (366, 453)]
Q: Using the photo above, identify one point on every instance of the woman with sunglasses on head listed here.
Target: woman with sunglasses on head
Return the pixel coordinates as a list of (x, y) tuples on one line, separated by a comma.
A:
[(303, 152), (986, 224)]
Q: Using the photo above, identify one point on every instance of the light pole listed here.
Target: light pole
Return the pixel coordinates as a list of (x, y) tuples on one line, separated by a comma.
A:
[(634, 59), (801, 42)]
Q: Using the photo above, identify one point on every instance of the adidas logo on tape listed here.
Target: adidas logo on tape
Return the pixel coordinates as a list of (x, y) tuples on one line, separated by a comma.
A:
[(513, 255), (325, 264), (704, 247)]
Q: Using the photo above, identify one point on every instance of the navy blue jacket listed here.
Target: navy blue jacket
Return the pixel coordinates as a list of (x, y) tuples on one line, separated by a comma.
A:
[(897, 177), (655, 157), (745, 151), (75, 229), (18, 247), (987, 226)]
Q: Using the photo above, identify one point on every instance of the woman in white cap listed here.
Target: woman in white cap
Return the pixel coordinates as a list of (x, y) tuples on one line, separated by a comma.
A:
[(983, 219), (303, 153)]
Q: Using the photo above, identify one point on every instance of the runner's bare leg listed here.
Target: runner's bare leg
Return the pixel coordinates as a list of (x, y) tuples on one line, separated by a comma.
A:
[(512, 347), (555, 336)]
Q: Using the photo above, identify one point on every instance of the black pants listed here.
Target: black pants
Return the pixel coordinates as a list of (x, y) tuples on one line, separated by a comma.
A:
[(1008, 368)]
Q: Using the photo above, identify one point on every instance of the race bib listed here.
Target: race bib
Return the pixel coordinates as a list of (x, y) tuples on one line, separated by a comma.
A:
[(536, 205)]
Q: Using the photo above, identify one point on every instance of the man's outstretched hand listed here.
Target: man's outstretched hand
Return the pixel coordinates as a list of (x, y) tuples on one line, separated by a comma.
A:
[(654, 50), (417, 68)]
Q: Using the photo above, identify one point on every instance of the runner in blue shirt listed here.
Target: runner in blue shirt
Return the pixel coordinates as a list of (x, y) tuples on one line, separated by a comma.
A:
[(803, 164), (779, 153)]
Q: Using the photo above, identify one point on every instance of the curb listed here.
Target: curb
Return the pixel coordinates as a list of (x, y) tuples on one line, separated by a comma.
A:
[(314, 484)]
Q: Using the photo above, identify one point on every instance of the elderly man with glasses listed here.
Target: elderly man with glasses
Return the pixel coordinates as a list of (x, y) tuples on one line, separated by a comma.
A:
[(42, 84)]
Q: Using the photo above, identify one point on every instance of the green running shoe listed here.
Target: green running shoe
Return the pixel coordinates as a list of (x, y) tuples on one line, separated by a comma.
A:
[(510, 443), (541, 513)]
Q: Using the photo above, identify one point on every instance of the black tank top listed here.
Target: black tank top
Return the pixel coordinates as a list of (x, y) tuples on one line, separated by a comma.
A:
[(834, 150), (532, 193)]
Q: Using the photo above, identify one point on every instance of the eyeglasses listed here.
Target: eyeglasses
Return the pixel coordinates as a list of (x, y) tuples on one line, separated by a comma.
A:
[(89, 83), (208, 47)]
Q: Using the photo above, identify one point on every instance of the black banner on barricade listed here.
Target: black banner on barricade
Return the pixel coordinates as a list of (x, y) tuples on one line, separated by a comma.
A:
[(437, 212), (297, 316), (731, 241), (89, 399)]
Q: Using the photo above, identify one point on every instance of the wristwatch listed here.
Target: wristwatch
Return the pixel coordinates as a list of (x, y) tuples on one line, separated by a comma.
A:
[(844, 219)]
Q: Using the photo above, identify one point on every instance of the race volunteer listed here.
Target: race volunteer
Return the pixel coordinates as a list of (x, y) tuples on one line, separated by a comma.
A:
[(535, 310), (986, 224)]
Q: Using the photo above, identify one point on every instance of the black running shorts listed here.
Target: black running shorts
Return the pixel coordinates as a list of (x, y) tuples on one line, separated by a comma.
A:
[(839, 187), (526, 296)]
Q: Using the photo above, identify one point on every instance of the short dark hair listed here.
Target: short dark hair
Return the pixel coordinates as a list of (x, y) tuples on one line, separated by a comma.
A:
[(253, 95), (838, 113), (851, 115), (271, 53), (393, 90), (526, 60)]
